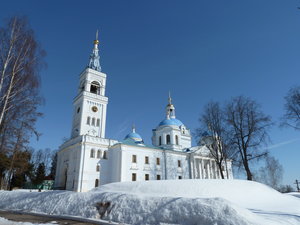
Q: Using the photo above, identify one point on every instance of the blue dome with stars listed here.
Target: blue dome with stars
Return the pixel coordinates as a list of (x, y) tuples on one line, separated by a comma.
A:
[(170, 121)]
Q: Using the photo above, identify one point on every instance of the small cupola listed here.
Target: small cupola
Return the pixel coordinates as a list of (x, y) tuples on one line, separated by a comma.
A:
[(134, 136)]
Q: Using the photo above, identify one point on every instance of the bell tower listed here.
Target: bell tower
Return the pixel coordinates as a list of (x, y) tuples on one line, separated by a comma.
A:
[(90, 104)]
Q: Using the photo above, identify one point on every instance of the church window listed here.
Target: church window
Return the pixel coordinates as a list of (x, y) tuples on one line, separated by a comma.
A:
[(92, 155), (168, 139), (97, 183), (98, 122), (157, 161), (133, 158), (179, 163), (98, 154), (176, 139), (146, 176), (158, 177), (78, 109), (183, 130), (179, 177), (93, 121), (105, 155), (133, 177), (159, 140), (88, 120), (146, 159), (95, 88), (98, 168)]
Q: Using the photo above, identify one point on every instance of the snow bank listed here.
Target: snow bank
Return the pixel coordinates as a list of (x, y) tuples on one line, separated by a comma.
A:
[(296, 194), (220, 202), (246, 194), (4, 221)]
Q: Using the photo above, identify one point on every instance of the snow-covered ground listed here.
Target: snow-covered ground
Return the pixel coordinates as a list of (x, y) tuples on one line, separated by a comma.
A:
[(205, 202), (296, 194), (4, 221)]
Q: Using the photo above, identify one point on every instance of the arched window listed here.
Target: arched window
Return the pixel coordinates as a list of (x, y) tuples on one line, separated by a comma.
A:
[(159, 140), (98, 168), (95, 88), (105, 155), (168, 139), (98, 122), (97, 183), (88, 121), (176, 140), (92, 154), (98, 154), (93, 121)]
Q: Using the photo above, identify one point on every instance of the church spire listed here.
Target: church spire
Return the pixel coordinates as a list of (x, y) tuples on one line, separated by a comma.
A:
[(170, 109), (94, 57)]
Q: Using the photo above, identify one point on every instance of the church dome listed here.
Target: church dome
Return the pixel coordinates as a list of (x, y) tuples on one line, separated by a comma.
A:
[(134, 136), (170, 121)]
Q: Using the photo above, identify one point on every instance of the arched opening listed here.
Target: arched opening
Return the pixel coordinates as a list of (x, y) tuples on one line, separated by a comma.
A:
[(105, 155), (65, 178), (159, 141), (92, 154), (176, 140), (97, 183), (98, 154), (168, 139), (95, 88), (97, 168)]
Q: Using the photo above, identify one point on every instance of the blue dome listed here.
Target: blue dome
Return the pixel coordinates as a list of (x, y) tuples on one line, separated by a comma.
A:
[(171, 121), (134, 136)]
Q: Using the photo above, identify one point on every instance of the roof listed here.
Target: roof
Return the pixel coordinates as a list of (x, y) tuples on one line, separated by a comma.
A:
[(170, 121), (134, 136)]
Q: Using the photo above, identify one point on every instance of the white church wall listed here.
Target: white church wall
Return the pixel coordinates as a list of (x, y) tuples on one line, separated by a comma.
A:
[(90, 174), (140, 168), (175, 171)]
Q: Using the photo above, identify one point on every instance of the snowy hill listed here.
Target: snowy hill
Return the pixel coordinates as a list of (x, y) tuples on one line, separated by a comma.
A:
[(222, 202)]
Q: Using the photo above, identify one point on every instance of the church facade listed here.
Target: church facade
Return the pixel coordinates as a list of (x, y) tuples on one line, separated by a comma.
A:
[(89, 159)]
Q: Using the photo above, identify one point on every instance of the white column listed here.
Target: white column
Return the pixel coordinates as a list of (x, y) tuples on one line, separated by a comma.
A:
[(216, 170), (200, 168), (211, 169), (195, 168), (208, 169)]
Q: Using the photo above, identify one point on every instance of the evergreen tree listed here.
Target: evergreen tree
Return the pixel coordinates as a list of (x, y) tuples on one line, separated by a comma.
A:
[(40, 174), (53, 166)]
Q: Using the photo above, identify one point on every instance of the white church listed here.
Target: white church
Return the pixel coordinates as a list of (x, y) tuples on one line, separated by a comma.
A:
[(89, 159)]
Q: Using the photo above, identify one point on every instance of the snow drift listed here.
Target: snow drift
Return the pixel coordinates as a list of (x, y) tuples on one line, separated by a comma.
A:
[(222, 202)]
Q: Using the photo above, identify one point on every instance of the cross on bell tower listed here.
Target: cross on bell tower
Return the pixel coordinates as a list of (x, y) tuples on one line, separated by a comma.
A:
[(90, 104)]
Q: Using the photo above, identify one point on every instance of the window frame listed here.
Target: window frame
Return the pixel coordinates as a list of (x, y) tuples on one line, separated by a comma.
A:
[(157, 161), (134, 159)]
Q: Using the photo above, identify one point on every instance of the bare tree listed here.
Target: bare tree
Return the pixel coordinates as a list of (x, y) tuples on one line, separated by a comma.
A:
[(271, 173), (20, 63), (249, 127), (292, 108), (218, 142)]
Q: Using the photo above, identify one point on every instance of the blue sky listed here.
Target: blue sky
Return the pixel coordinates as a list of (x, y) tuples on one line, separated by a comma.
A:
[(199, 50)]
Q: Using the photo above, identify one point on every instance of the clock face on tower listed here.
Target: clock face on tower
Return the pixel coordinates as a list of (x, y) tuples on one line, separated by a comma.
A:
[(94, 109)]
